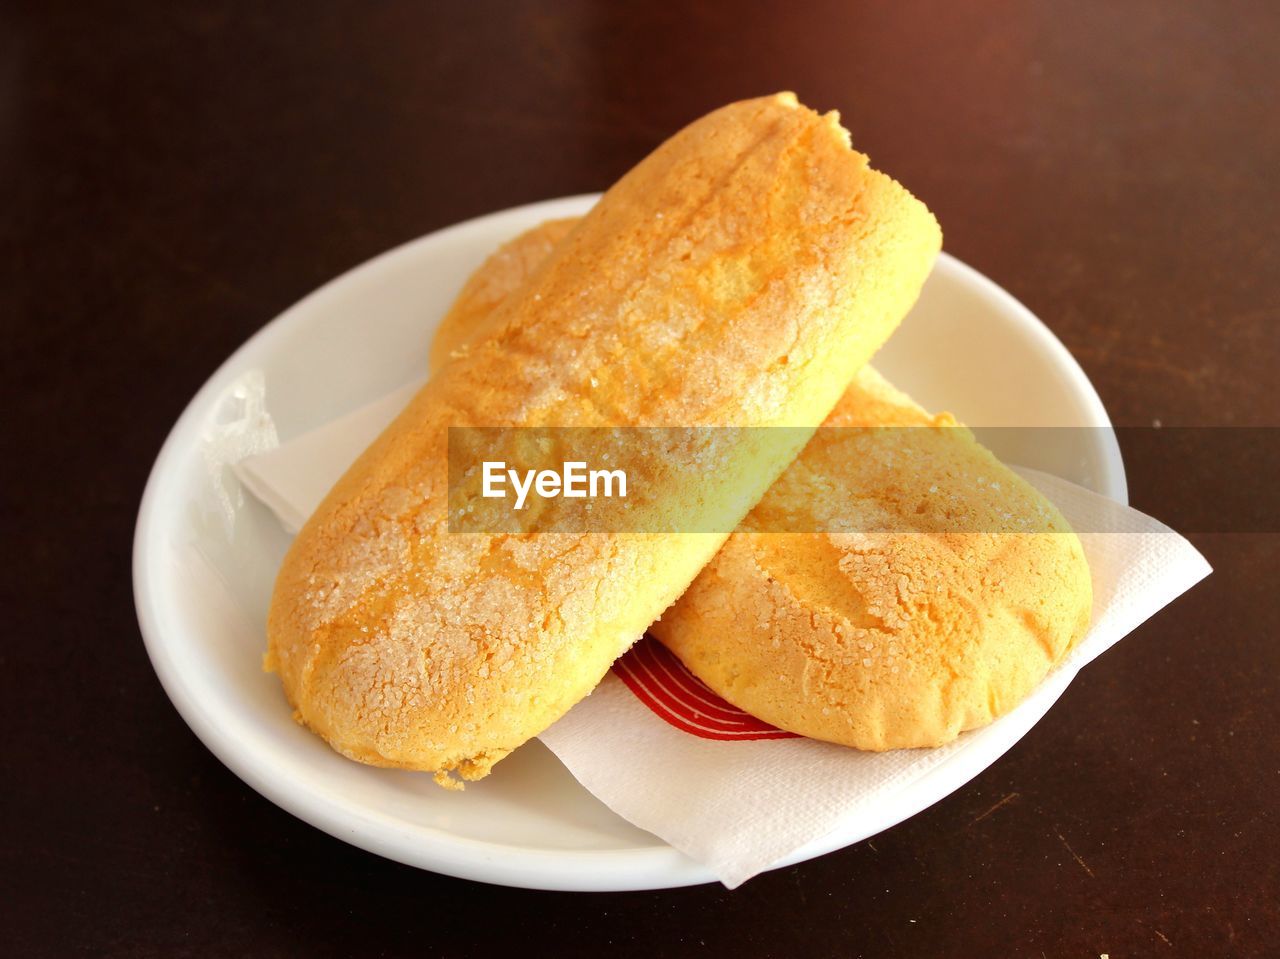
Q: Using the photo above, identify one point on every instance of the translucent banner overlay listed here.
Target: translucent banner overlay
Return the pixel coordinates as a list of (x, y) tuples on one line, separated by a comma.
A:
[(845, 479)]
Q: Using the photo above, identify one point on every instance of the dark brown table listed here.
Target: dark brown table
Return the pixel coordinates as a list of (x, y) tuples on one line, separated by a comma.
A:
[(174, 175)]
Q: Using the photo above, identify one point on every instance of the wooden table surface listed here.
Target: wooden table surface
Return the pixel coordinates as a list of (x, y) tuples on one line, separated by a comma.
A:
[(174, 175)]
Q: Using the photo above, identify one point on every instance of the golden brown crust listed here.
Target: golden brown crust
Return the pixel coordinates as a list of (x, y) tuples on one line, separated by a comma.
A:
[(903, 631), (506, 269), (404, 645), (955, 590)]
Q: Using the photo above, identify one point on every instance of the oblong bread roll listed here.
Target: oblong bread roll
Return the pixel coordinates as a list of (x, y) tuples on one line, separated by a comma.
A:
[(726, 280), (955, 590)]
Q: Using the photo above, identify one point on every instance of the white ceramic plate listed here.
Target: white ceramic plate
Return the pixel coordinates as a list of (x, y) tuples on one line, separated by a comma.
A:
[(202, 585)]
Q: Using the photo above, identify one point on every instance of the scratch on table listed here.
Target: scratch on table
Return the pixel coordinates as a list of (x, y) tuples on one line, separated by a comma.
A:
[(1163, 937), (1157, 364), (1074, 855), (1007, 799)]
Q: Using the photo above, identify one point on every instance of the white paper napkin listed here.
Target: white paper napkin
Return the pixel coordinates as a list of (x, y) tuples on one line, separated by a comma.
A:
[(666, 754)]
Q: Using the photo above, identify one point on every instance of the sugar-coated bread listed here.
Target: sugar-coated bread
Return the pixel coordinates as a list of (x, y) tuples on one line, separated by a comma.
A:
[(731, 278), (955, 590), (503, 272)]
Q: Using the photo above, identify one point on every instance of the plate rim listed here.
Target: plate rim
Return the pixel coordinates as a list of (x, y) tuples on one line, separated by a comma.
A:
[(651, 867)]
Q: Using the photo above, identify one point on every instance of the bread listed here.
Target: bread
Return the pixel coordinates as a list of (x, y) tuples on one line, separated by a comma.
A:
[(503, 272), (955, 591), (729, 279)]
